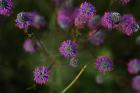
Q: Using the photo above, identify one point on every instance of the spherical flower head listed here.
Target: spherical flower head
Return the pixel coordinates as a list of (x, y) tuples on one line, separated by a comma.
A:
[(136, 83), (94, 22), (68, 49), (104, 64), (125, 1), (80, 21), (41, 75), (30, 46), (64, 18), (87, 9), (24, 20), (38, 21), (110, 20), (6, 7), (74, 62), (134, 66), (97, 38), (128, 25)]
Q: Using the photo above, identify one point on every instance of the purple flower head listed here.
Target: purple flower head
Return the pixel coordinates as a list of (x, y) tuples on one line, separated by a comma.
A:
[(68, 48), (30, 46), (6, 7), (64, 18), (136, 83), (38, 21), (80, 21), (94, 22), (41, 75), (134, 66), (125, 1), (110, 20), (87, 10), (104, 64), (24, 19), (128, 25), (97, 38)]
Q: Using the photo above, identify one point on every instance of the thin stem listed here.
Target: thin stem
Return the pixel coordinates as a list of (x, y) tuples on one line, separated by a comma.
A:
[(75, 79)]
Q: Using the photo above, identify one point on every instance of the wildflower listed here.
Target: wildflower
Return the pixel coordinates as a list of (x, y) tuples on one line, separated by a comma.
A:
[(41, 75), (125, 1), (24, 20), (104, 64), (136, 83), (134, 66), (74, 62), (68, 49), (6, 7), (97, 38)]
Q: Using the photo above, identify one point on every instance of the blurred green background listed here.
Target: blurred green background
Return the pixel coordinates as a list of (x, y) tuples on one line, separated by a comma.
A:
[(16, 66)]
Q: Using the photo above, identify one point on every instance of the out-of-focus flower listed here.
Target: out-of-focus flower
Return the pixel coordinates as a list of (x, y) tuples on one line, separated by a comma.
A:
[(110, 19), (94, 22), (128, 25), (99, 79), (125, 1), (6, 7), (38, 21), (24, 20), (87, 10), (138, 40), (64, 17), (97, 38), (68, 49), (30, 46), (134, 66), (41, 75), (104, 64), (136, 83), (74, 62)]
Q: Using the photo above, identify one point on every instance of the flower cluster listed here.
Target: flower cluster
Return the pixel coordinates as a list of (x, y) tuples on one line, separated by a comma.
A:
[(104, 64), (41, 75)]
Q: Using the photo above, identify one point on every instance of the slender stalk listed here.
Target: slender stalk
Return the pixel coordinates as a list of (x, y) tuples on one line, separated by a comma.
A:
[(75, 79)]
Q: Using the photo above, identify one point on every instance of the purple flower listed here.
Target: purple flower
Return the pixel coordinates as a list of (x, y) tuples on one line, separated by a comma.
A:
[(24, 20), (125, 1), (136, 83), (30, 46), (94, 22), (97, 38), (128, 25), (104, 64), (134, 66), (110, 20), (41, 75), (64, 17), (80, 21), (87, 10), (68, 49), (6, 7), (38, 21)]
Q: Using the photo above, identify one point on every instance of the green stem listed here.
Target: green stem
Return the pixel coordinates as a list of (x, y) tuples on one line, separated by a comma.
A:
[(75, 79)]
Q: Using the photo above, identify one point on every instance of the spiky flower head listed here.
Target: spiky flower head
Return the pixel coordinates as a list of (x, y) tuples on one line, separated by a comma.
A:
[(94, 22), (38, 21), (87, 10), (41, 75), (110, 19), (104, 64), (74, 62), (134, 66), (136, 83), (30, 46), (128, 25), (6, 7), (64, 17), (68, 48), (125, 1), (97, 38), (24, 20)]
